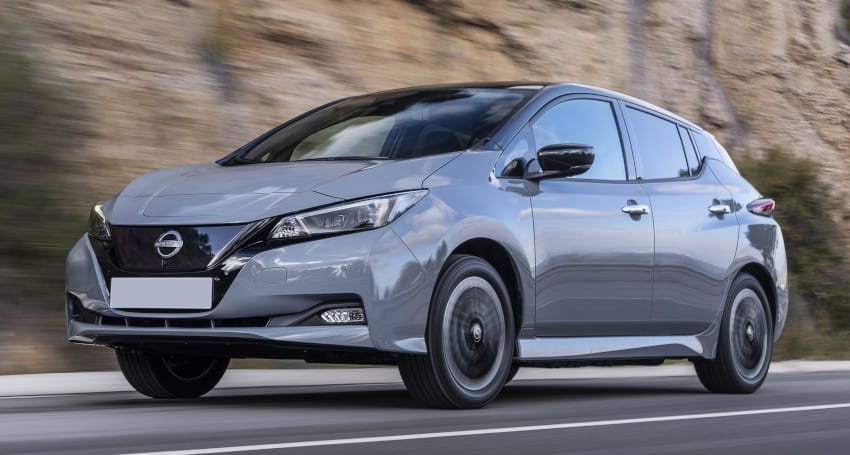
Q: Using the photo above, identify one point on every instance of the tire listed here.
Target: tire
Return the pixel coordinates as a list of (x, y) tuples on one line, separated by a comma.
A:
[(160, 376), (512, 373), (745, 344), (470, 339)]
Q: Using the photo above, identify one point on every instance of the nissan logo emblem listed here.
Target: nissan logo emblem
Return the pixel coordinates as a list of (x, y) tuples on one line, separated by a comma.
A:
[(168, 244)]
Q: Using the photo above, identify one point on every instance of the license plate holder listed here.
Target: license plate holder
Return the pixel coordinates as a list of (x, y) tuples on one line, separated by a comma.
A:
[(155, 293)]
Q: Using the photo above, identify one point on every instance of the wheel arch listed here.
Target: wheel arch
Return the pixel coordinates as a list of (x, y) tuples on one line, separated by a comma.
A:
[(762, 275), (720, 372), (498, 256)]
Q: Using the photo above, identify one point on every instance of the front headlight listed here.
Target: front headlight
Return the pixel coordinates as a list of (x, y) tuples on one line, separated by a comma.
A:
[(348, 217), (98, 227)]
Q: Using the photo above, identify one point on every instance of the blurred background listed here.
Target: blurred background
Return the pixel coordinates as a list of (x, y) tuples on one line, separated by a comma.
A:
[(95, 93)]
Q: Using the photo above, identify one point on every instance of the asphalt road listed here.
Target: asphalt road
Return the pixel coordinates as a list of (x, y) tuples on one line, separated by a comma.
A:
[(793, 413)]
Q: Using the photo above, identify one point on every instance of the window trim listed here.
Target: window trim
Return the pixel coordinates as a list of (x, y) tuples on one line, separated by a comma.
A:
[(628, 165)]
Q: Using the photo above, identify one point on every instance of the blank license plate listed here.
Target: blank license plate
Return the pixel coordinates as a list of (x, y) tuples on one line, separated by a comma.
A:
[(161, 293)]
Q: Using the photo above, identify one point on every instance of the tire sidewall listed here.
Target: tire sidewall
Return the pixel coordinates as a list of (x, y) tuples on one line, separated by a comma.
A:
[(725, 347), (458, 269), (193, 387), (149, 375)]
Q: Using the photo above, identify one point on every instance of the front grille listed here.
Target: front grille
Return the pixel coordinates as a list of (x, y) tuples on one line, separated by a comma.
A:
[(135, 248), (256, 322)]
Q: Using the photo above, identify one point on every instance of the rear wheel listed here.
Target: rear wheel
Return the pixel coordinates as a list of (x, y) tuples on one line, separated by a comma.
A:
[(163, 376), (470, 339), (745, 344)]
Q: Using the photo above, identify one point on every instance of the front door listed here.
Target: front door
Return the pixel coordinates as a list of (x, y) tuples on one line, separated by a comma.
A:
[(593, 232)]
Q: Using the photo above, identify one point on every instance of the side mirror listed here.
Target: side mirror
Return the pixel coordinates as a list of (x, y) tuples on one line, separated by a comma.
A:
[(563, 160)]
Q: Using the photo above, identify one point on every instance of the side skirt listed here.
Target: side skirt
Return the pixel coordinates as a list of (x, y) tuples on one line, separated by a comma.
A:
[(610, 348)]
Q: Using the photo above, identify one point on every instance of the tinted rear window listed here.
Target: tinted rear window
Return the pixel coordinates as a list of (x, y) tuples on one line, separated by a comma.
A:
[(659, 145), (392, 126)]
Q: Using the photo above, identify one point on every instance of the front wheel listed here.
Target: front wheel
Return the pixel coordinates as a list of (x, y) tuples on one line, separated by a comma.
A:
[(470, 339), (165, 376), (745, 344)]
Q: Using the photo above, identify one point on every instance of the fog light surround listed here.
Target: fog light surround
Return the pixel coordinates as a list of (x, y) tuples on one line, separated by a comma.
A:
[(344, 316)]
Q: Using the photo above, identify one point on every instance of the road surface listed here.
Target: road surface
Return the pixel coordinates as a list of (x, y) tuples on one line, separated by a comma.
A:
[(792, 413)]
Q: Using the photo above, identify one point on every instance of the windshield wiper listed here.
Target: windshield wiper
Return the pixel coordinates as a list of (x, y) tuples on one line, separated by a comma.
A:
[(240, 160)]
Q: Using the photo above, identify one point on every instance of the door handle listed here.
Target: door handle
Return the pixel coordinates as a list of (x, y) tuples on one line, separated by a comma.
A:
[(636, 209), (720, 209)]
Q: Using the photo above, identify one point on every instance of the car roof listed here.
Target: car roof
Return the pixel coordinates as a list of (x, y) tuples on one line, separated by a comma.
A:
[(460, 85), (589, 89), (561, 88)]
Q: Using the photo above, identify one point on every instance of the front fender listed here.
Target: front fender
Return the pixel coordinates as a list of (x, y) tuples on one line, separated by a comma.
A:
[(465, 204)]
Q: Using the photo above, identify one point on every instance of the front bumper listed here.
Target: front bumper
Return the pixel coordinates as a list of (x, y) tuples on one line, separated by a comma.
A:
[(350, 344), (271, 304)]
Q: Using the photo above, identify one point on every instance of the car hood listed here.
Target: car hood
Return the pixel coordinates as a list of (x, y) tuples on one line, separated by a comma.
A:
[(213, 194)]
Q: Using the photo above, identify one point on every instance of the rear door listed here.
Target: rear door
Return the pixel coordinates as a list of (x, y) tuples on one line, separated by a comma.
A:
[(696, 230), (593, 260)]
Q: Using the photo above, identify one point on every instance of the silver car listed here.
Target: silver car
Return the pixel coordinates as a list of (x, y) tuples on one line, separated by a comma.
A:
[(457, 231)]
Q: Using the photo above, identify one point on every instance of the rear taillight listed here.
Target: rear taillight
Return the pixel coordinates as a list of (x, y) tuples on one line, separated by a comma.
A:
[(763, 207)]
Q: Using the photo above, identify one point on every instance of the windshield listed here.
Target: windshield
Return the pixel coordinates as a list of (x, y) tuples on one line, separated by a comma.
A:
[(390, 126)]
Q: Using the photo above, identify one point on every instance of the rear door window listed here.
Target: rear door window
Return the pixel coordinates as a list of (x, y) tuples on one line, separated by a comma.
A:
[(659, 145)]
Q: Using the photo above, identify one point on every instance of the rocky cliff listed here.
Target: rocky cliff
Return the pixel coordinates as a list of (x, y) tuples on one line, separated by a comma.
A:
[(171, 82)]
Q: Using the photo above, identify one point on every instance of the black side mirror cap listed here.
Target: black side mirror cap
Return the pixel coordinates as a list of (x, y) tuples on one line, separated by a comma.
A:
[(563, 160)]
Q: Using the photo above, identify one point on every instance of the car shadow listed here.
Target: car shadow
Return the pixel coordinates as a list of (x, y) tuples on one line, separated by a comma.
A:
[(393, 396), (591, 389)]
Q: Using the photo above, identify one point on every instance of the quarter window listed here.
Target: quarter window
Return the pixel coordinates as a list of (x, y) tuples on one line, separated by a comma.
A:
[(712, 149), (693, 160), (518, 153), (706, 148), (585, 121), (659, 145)]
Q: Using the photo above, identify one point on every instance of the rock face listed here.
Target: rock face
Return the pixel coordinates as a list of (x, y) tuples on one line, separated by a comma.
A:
[(170, 82), (179, 81)]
